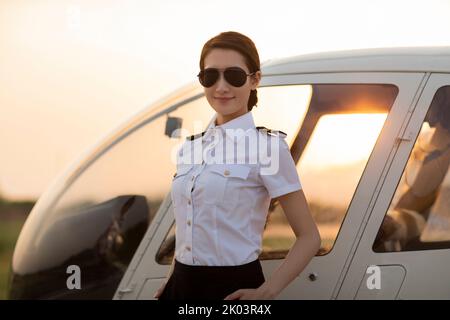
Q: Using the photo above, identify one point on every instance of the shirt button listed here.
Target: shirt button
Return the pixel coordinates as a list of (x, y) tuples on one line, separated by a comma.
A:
[(188, 248), (193, 177), (226, 172), (189, 202), (189, 222)]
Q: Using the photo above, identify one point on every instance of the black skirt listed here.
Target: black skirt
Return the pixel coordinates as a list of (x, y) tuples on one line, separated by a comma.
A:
[(211, 282)]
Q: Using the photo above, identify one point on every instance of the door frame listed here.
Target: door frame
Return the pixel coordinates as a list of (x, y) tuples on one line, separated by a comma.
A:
[(418, 282)]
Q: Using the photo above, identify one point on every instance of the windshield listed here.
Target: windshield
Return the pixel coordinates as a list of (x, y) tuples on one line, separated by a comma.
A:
[(98, 218)]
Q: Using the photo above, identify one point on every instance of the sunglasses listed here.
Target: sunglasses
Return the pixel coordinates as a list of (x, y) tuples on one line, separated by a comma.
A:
[(234, 76)]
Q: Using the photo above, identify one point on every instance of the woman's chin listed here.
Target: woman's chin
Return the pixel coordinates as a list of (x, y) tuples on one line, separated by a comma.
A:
[(225, 111)]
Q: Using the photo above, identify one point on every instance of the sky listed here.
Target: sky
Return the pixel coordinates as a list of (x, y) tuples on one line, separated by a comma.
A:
[(72, 71)]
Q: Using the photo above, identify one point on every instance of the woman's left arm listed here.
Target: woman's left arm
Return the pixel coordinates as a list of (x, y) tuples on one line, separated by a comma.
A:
[(306, 246)]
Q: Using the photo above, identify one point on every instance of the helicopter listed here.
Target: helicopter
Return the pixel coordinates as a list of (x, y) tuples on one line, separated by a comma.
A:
[(369, 131)]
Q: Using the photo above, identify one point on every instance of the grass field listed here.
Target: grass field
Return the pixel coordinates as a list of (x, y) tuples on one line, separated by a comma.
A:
[(9, 231), (12, 217)]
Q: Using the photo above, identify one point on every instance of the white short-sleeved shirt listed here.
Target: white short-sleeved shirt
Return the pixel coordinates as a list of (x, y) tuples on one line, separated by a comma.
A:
[(221, 191)]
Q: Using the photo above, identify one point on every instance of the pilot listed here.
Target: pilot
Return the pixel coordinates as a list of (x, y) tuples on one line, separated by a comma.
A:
[(412, 218), (226, 177)]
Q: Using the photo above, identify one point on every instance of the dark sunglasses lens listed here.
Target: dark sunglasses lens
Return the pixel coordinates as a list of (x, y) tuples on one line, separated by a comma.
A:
[(208, 77), (235, 76)]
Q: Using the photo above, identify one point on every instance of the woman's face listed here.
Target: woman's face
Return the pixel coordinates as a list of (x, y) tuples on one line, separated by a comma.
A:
[(236, 105)]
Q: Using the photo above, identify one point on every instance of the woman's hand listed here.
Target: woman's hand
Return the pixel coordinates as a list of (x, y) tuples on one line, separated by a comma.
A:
[(160, 290), (249, 294)]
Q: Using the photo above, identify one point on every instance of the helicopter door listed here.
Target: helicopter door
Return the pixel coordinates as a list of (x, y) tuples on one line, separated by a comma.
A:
[(340, 150), (404, 251)]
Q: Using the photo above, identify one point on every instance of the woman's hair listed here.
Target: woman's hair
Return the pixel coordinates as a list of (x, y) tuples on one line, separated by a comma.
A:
[(240, 43)]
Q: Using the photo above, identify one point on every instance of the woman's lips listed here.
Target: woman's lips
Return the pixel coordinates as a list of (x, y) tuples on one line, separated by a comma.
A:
[(224, 99)]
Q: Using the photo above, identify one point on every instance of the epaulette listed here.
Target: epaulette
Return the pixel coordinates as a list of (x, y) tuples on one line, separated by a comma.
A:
[(272, 132), (195, 136)]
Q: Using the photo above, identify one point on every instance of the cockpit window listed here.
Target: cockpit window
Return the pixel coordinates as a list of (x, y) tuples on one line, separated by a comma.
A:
[(418, 217), (337, 128)]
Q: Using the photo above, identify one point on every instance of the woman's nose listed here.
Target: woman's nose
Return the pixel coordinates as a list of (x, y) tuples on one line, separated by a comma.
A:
[(222, 84)]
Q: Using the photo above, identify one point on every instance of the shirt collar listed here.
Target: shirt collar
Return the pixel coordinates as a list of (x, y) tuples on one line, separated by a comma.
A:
[(235, 128)]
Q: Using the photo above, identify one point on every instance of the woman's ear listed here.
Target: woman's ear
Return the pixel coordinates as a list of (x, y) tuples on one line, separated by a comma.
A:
[(255, 79)]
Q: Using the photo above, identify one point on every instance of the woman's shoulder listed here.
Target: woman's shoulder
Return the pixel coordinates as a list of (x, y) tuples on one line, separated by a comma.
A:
[(272, 137), (271, 132)]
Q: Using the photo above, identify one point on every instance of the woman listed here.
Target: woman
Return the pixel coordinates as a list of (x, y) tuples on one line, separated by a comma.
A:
[(221, 208)]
